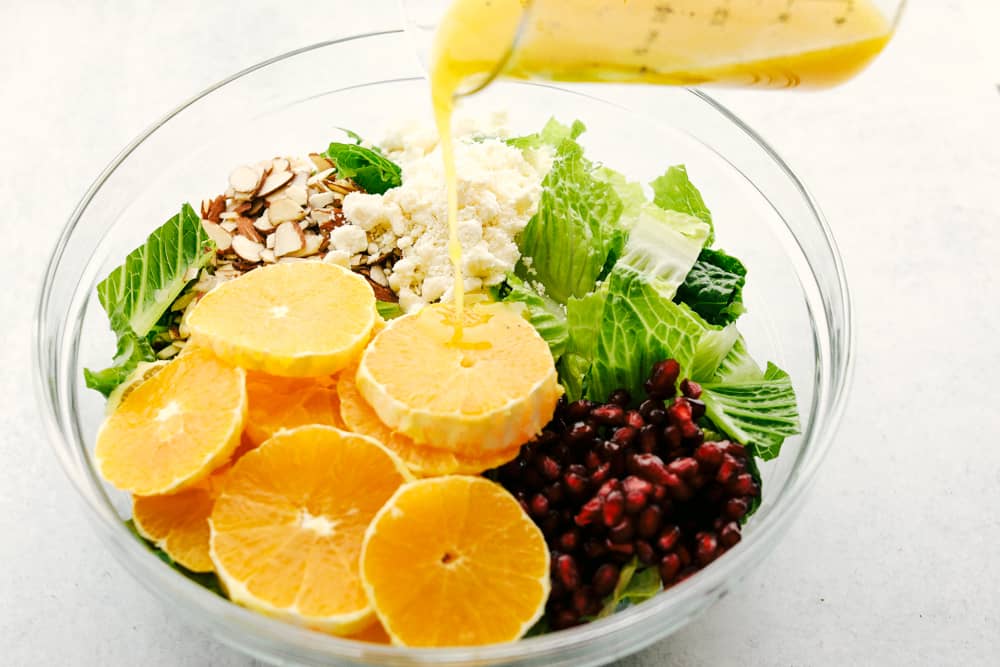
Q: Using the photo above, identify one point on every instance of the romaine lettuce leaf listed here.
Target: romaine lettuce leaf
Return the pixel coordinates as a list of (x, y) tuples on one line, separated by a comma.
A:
[(674, 192), (737, 365), (388, 310), (137, 293), (553, 135), (714, 287), (547, 316), (663, 246), (759, 413), (576, 235), (634, 586), (713, 347), (374, 172)]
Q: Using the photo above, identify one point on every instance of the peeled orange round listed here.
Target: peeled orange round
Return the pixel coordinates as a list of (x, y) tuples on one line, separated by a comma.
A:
[(276, 403), (142, 372), (489, 390), (422, 460), (173, 429), (455, 561), (287, 527), (300, 319)]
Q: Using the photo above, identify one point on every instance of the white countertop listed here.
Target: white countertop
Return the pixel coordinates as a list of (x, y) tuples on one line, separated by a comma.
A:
[(893, 560)]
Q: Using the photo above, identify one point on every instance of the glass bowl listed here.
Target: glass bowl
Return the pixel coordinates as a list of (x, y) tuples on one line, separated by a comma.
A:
[(799, 313)]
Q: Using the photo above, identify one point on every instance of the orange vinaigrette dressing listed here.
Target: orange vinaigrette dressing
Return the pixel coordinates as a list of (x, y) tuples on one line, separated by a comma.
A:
[(748, 43)]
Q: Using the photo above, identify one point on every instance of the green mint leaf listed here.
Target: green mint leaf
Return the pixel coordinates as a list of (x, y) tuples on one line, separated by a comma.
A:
[(757, 412), (714, 287), (673, 191), (371, 170)]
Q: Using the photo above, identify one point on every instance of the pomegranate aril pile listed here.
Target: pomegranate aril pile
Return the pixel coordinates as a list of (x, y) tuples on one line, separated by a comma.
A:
[(630, 478)]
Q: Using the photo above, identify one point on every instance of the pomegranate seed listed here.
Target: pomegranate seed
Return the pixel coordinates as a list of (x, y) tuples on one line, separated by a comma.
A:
[(582, 600), (672, 437), (729, 534), (680, 411), (607, 487), (658, 416), (635, 502), (564, 618), (590, 512), (622, 532), (649, 467), (636, 484), (569, 540), (670, 565), (578, 410), (690, 388), (735, 449), (736, 508), (683, 553), (684, 468), (634, 419), (608, 414), (555, 493), (569, 574), (648, 524), (614, 508), (591, 460), (594, 549), (620, 397), (727, 469), (605, 579), (648, 406), (697, 408), (624, 435), (706, 548), (659, 493), (742, 485), (576, 484), (644, 552), (539, 506), (692, 431), (668, 538), (647, 439), (581, 432), (626, 549), (549, 468), (601, 474), (709, 454), (663, 378)]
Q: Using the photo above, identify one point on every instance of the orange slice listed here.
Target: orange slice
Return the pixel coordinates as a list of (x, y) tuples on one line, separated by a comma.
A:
[(300, 319), (142, 372), (422, 460), (276, 403), (489, 391), (178, 523), (173, 429), (373, 634), (455, 561), (287, 528)]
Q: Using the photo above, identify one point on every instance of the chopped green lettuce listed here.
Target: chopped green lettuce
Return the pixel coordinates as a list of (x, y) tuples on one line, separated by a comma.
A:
[(137, 293), (757, 412), (547, 316), (737, 365), (712, 348), (367, 167), (673, 191), (714, 287), (576, 234), (388, 310), (662, 246), (634, 586), (552, 135), (207, 580)]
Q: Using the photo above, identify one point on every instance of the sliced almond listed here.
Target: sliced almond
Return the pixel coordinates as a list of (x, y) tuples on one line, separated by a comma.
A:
[(245, 227), (310, 246), (263, 223), (247, 249), (267, 256), (228, 225), (321, 199), (378, 276), (284, 209), (320, 216), (270, 241), (321, 176), (219, 236), (275, 180), (322, 163), (245, 179), (288, 239), (228, 215), (281, 164), (297, 194)]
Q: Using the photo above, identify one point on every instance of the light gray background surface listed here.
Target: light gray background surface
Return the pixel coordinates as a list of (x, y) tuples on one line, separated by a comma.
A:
[(893, 560)]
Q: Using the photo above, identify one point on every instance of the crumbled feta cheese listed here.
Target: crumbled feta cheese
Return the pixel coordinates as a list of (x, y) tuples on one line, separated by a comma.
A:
[(498, 192)]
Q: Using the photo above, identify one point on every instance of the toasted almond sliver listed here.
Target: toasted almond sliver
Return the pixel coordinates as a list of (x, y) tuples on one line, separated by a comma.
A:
[(310, 245), (263, 223), (247, 249), (245, 227), (322, 163), (228, 215), (219, 235), (267, 256), (288, 239), (321, 199), (245, 179), (378, 276), (319, 177), (228, 225), (269, 241), (281, 164), (284, 209), (275, 180)]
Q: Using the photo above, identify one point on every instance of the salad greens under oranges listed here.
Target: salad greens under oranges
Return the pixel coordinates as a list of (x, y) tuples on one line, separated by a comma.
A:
[(302, 431)]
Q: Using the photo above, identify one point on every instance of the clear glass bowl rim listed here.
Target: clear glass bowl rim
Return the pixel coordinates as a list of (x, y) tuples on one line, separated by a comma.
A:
[(277, 639)]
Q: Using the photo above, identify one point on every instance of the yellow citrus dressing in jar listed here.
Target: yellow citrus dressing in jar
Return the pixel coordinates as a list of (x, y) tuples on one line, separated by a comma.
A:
[(747, 43)]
